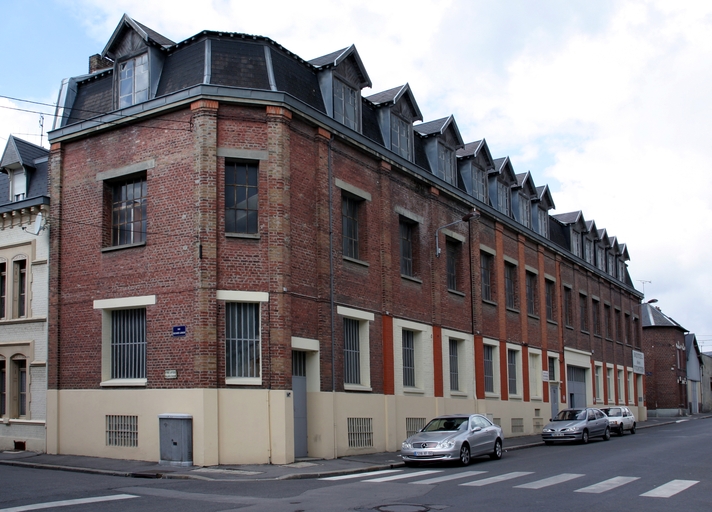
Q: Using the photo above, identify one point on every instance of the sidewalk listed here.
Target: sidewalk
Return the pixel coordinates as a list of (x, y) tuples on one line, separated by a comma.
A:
[(303, 468)]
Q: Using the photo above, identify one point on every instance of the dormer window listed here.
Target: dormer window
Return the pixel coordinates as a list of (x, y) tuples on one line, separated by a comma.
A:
[(18, 185), (479, 181), (525, 212), (588, 250), (611, 265), (401, 137), (621, 270), (446, 164), (576, 243), (543, 222), (504, 200), (601, 258), (346, 105), (133, 81)]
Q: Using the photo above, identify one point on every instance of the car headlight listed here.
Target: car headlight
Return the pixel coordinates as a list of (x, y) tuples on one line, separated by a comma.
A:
[(548, 430), (614, 422), (448, 443), (406, 446), (571, 429)]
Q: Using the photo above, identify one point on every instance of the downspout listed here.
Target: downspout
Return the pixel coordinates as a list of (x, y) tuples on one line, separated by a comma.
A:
[(331, 290)]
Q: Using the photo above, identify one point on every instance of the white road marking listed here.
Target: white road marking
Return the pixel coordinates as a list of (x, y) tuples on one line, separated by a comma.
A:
[(66, 503), (361, 475), (609, 484), (553, 480), (446, 478), (670, 489), (496, 479), (403, 475)]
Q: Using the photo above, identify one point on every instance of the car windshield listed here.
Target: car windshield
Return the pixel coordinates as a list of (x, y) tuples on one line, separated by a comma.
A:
[(612, 411), (445, 424), (571, 414)]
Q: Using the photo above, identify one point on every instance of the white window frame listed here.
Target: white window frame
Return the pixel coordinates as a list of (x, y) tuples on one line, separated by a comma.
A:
[(525, 210), (621, 386), (107, 306), (543, 222), (403, 132), (598, 378), (496, 378), (536, 387), (344, 88), (631, 389), (465, 374), (363, 318), (139, 62), (245, 297), (611, 398), (557, 369), (18, 185), (518, 371), (423, 344)]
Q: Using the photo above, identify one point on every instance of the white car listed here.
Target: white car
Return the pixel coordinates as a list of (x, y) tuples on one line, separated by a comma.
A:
[(620, 419)]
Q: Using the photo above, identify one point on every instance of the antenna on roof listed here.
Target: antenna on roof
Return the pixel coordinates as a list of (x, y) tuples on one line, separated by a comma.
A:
[(643, 281), (41, 130)]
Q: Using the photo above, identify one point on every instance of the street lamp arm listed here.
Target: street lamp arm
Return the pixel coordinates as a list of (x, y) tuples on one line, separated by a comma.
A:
[(466, 218)]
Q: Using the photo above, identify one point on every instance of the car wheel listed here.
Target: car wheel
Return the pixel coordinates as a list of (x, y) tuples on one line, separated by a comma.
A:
[(497, 452), (607, 434), (465, 454), (632, 430), (620, 431), (548, 443), (584, 437)]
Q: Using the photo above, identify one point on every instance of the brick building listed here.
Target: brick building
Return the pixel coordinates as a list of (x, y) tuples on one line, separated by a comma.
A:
[(248, 239), (24, 249), (665, 361)]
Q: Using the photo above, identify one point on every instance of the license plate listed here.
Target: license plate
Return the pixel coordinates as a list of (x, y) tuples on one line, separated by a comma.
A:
[(422, 454), (557, 434)]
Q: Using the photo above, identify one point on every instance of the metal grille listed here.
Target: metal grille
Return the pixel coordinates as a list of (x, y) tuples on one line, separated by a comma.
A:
[(454, 373), (128, 224), (413, 426), (406, 248), (352, 354), (349, 216), (408, 359), (512, 371), (128, 344), (242, 339), (538, 425), (241, 198), (517, 425), (489, 368), (121, 430), (360, 431), (299, 363)]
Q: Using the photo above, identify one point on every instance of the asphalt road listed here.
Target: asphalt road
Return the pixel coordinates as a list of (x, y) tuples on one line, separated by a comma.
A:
[(663, 468)]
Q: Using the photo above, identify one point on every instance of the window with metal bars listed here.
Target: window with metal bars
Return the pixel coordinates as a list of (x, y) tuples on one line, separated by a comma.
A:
[(489, 368), (454, 366), (360, 432), (121, 431), (349, 218), (128, 344), (352, 352), (413, 426), (408, 358), (128, 211), (299, 363), (512, 371), (486, 261), (242, 340), (552, 369)]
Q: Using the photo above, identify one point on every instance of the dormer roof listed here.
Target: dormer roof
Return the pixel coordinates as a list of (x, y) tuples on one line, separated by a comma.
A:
[(395, 95), (503, 167), (574, 219), (20, 153), (545, 198), (526, 183), (603, 237), (445, 126), (334, 59), (592, 230), (149, 37)]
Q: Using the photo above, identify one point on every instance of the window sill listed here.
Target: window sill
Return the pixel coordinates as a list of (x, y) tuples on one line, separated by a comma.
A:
[(536, 399), (114, 383), (21, 421), (413, 391), (584, 331), (458, 394), (518, 398), (243, 381), (533, 316), (491, 396), (357, 261), (513, 310), (411, 278), (251, 236), (569, 327), (597, 336), (32, 320), (552, 322), (120, 247), (490, 302), (357, 387), (456, 292)]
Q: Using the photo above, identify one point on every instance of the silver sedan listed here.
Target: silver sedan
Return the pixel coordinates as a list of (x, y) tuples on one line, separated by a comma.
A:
[(457, 437), (577, 425)]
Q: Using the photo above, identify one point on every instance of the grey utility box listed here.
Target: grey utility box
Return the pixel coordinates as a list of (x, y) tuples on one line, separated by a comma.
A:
[(176, 439)]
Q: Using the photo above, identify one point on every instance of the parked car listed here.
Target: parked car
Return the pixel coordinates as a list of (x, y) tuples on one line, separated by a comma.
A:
[(577, 425), (620, 419), (454, 437)]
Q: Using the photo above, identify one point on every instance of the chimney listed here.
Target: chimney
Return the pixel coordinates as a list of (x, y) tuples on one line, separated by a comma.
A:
[(96, 62)]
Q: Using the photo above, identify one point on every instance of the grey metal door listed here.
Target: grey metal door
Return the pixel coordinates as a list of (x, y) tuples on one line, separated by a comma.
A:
[(576, 386), (299, 389), (554, 399)]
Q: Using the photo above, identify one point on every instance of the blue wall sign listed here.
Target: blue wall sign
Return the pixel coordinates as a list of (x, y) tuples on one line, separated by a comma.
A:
[(179, 330)]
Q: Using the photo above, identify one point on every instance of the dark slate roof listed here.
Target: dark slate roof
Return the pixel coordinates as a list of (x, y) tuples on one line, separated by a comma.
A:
[(470, 149), (393, 96), (34, 160), (329, 58), (389, 96), (544, 195), (652, 316), (148, 35), (155, 36), (569, 217), (432, 127), (22, 152), (333, 59), (369, 122)]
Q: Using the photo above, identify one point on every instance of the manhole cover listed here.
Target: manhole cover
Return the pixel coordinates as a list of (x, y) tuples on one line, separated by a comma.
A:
[(301, 465), (402, 508)]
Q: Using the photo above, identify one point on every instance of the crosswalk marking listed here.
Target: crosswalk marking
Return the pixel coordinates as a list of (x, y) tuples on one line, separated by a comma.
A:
[(403, 475), (609, 484), (456, 476), (361, 475), (495, 479), (670, 489), (69, 503), (552, 480)]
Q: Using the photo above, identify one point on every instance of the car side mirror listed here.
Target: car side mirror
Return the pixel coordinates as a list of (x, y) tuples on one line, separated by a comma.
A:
[(476, 429)]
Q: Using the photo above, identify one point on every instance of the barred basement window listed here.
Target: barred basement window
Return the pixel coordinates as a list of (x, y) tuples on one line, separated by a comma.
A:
[(128, 344), (121, 431), (360, 432), (413, 426), (538, 425), (352, 353), (517, 425), (454, 364), (242, 340), (408, 359), (489, 368)]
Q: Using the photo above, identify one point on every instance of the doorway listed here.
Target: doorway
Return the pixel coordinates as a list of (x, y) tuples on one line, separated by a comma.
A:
[(299, 388)]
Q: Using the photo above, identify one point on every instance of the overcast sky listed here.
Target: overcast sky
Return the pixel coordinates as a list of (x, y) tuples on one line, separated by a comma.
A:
[(608, 102)]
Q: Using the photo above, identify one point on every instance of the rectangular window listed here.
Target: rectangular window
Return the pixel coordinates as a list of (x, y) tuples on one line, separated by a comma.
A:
[(531, 293), (609, 383), (446, 165), (489, 368), (352, 352), (621, 387), (583, 312), (596, 310), (128, 344), (607, 321), (525, 213), (486, 261), (611, 265), (600, 258), (512, 371), (359, 432), (588, 250), (3, 388), (599, 384), (241, 198), (549, 300), (454, 366), (504, 199), (406, 248), (242, 340), (453, 251), (543, 222), (568, 307), (3, 289), (576, 243), (535, 386), (510, 272), (121, 430), (619, 331), (401, 137), (627, 328), (408, 358), (19, 298), (128, 211), (345, 105), (349, 217), (133, 81), (480, 184), (552, 369)]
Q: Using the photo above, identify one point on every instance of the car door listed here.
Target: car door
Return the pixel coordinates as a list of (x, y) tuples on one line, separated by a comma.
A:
[(627, 419), (601, 420), (480, 438)]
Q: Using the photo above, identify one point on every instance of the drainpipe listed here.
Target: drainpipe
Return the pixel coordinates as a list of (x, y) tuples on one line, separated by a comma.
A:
[(331, 292)]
